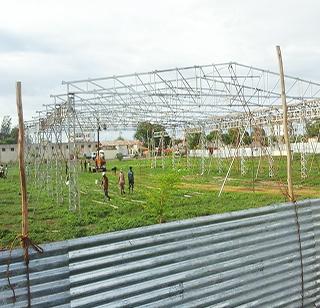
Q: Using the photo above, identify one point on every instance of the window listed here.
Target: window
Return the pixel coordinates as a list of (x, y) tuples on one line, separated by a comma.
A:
[(12, 149), (82, 146), (67, 147), (89, 146), (3, 149), (52, 148)]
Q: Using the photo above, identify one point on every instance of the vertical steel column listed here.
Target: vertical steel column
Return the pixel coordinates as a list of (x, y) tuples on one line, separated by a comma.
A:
[(74, 196)]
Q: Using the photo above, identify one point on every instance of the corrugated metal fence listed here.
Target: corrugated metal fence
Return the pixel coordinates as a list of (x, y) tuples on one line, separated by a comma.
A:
[(250, 258)]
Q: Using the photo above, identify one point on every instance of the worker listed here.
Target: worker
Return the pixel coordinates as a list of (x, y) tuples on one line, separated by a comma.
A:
[(130, 179), (121, 182), (105, 186)]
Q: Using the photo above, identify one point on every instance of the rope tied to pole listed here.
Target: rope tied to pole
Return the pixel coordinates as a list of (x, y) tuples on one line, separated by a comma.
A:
[(26, 242)]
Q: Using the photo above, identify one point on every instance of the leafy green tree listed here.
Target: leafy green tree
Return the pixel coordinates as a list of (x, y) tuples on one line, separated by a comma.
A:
[(313, 129), (8, 135), (14, 135), (119, 156), (145, 130), (247, 139), (212, 136), (234, 135), (5, 127), (226, 139), (193, 140)]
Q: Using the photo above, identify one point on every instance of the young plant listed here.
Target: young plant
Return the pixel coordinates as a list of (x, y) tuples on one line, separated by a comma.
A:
[(159, 201)]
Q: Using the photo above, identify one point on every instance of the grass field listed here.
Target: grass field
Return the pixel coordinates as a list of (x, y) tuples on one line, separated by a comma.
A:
[(160, 195)]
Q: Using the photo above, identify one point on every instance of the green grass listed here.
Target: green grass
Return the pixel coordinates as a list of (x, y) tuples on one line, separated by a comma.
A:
[(192, 195)]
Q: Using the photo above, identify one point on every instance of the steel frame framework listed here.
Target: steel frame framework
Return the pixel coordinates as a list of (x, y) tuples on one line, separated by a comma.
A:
[(187, 99)]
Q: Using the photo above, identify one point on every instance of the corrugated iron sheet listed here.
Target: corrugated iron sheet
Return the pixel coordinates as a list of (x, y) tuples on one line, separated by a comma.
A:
[(49, 277), (250, 258)]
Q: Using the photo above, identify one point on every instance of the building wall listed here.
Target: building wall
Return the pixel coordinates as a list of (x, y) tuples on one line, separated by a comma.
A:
[(8, 153)]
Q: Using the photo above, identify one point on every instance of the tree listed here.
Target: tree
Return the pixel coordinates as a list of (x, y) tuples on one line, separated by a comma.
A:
[(5, 127), (259, 136), (234, 135), (8, 135), (212, 136), (247, 139), (14, 135), (145, 131), (119, 156), (313, 129), (120, 138), (193, 140), (226, 139)]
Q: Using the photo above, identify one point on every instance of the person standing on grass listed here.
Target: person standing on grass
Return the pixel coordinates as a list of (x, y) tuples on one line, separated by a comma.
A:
[(121, 182), (105, 186), (130, 179)]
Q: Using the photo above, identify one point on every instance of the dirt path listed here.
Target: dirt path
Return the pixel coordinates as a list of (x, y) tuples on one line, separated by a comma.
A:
[(261, 187)]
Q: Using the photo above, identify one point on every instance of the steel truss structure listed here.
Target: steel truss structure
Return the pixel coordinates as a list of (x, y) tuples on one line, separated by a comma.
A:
[(184, 100)]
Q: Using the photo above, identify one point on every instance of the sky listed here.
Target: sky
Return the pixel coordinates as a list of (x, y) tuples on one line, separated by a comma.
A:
[(45, 42)]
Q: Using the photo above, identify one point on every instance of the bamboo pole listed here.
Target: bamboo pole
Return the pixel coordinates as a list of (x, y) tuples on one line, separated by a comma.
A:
[(285, 127), (23, 185)]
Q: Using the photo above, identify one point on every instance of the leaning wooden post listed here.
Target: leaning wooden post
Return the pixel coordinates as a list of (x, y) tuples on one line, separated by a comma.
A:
[(23, 185), (285, 127)]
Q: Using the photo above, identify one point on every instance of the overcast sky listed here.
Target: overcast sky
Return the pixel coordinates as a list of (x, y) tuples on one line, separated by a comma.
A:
[(45, 42)]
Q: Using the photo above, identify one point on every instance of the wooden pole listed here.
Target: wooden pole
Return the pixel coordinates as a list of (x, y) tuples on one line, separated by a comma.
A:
[(23, 185), (285, 127)]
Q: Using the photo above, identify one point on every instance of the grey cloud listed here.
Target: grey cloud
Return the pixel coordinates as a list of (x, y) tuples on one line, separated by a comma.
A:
[(106, 38)]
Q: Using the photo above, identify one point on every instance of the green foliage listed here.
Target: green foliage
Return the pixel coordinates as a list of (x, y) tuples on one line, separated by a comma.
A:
[(159, 201), (193, 140), (233, 137), (234, 134), (226, 139), (5, 126), (159, 195), (145, 131), (247, 140), (313, 129), (8, 135), (119, 156), (212, 136), (259, 136)]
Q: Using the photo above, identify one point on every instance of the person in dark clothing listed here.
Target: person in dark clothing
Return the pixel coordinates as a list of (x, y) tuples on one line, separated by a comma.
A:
[(105, 186), (85, 165), (130, 179)]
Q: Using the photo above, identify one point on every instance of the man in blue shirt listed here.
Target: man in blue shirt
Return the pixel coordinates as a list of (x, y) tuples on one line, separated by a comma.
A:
[(130, 179)]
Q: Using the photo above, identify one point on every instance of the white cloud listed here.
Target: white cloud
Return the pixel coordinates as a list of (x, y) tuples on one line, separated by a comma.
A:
[(44, 42)]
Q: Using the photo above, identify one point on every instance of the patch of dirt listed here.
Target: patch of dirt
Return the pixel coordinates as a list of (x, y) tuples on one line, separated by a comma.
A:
[(267, 187)]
